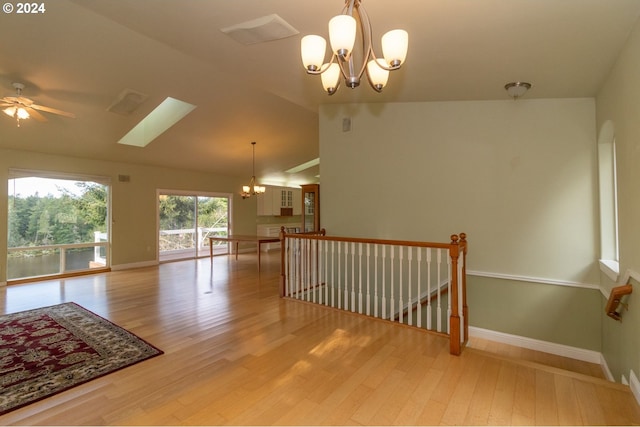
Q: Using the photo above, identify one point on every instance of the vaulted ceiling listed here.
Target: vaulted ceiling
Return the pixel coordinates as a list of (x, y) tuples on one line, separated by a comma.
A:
[(79, 55)]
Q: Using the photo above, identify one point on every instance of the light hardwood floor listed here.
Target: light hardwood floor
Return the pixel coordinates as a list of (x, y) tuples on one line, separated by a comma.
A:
[(235, 353)]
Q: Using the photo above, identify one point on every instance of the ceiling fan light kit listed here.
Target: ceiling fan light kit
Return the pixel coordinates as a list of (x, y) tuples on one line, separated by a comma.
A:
[(342, 36), (21, 108)]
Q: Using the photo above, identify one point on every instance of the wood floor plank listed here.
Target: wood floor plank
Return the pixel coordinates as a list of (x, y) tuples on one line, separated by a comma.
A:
[(546, 399), (236, 353), (483, 394), (501, 410), (568, 406)]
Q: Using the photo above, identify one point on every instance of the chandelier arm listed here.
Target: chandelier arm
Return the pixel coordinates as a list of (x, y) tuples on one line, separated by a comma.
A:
[(368, 52), (349, 5), (367, 42)]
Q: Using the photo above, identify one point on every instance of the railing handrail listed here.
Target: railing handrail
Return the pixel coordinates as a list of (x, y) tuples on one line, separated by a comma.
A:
[(321, 235)]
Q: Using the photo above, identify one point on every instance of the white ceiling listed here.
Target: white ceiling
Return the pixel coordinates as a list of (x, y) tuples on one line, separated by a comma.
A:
[(80, 55)]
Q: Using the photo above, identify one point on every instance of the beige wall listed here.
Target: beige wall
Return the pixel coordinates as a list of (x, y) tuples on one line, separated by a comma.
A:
[(618, 102), (134, 226), (519, 177)]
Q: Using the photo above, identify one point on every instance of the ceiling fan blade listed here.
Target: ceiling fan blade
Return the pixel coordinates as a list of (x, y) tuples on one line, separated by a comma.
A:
[(36, 115), (52, 110)]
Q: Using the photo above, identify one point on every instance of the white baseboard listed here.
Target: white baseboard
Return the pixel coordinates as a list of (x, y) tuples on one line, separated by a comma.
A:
[(538, 345), (134, 265), (634, 385), (605, 369)]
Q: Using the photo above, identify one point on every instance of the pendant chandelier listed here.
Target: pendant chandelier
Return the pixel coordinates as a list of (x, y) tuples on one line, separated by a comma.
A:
[(342, 36), (252, 189)]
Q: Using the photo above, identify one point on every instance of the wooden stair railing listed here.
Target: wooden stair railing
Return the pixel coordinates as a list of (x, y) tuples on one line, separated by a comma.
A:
[(336, 271), (615, 300)]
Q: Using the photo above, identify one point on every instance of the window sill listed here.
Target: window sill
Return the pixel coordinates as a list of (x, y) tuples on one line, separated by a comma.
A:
[(611, 268)]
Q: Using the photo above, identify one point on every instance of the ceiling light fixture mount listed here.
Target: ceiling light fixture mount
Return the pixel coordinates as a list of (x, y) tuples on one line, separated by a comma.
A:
[(252, 189), (517, 89), (342, 36)]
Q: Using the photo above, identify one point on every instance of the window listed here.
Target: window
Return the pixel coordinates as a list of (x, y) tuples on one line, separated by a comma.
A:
[(608, 186), (57, 224)]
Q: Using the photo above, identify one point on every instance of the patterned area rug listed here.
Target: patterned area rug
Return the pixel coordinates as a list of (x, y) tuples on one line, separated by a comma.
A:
[(51, 349)]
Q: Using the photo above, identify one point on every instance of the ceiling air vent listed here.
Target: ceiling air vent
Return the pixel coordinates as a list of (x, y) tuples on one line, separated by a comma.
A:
[(265, 29), (127, 102)]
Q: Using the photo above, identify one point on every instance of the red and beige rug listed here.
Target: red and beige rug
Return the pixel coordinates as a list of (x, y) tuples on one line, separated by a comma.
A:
[(51, 349)]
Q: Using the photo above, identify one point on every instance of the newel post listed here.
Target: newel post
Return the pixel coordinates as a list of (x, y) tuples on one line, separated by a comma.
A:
[(283, 273), (454, 318)]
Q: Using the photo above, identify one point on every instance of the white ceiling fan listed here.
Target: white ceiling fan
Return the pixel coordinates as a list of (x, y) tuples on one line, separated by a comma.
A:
[(21, 108)]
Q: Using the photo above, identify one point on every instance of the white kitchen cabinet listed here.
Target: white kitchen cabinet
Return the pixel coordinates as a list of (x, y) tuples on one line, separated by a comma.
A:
[(275, 198), (265, 202)]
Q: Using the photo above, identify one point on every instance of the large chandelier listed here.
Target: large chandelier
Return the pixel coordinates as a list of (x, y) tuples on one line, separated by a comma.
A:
[(342, 35), (252, 189)]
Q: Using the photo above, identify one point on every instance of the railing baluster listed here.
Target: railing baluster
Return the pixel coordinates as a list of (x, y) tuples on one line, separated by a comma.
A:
[(392, 301), (300, 269), (360, 277), (375, 281), (439, 309), (400, 300), (333, 262), (384, 281), (449, 293), (353, 277), (339, 275), (324, 281), (368, 279), (319, 269), (429, 288), (410, 302), (419, 298), (346, 275)]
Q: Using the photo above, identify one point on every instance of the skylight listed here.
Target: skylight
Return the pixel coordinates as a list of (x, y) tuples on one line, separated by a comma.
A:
[(304, 166), (165, 115)]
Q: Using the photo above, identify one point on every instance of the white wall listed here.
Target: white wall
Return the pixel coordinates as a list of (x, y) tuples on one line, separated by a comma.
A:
[(519, 177)]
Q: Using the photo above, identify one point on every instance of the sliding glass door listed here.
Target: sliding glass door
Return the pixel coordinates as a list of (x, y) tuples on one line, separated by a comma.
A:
[(187, 220)]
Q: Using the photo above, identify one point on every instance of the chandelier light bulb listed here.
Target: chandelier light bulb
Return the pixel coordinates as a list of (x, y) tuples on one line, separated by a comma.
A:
[(342, 34), (312, 48), (394, 47), (378, 75), (330, 77)]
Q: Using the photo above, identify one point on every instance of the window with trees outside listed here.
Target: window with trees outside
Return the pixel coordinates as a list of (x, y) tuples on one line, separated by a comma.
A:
[(57, 224)]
